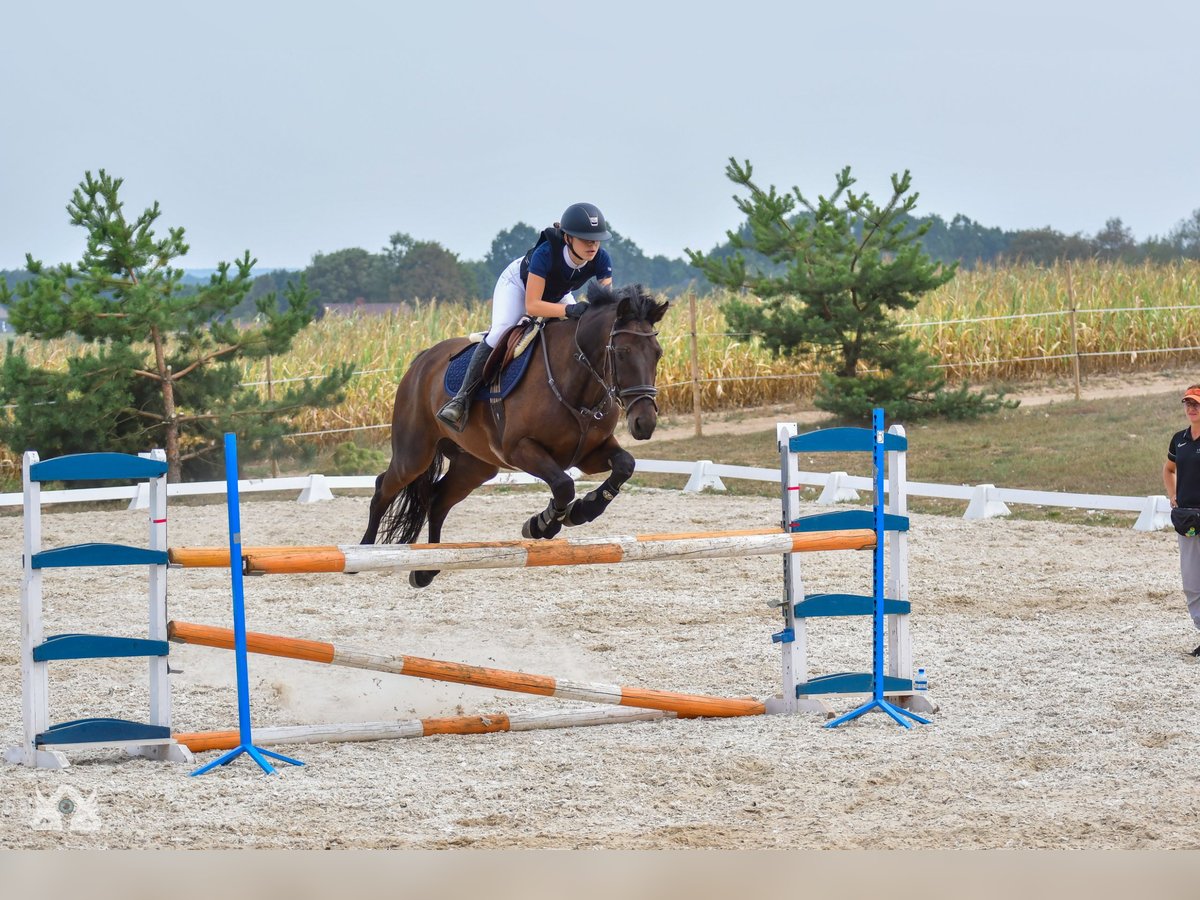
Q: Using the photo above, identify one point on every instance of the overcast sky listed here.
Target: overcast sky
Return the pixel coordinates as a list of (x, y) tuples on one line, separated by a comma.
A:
[(295, 128)]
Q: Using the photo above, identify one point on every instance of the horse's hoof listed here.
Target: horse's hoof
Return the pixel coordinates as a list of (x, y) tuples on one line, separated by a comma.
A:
[(527, 530), (421, 579)]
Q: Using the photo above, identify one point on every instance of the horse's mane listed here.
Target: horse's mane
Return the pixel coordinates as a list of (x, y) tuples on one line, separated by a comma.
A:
[(640, 304)]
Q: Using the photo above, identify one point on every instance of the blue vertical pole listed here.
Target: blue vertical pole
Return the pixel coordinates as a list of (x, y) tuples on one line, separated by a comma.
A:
[(877, 701), (234, 508), (233, 504), (877, 459)]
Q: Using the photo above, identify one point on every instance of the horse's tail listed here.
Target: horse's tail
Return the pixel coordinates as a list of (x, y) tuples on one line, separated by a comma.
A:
[(404, 519)]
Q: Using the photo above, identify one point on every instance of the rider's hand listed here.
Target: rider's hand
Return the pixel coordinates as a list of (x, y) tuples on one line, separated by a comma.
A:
[(575, 310)]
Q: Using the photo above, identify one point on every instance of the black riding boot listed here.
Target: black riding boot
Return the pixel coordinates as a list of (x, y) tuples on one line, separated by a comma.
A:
[(454, 413)]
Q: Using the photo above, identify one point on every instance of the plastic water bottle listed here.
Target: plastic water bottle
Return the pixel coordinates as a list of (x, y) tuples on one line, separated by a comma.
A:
[(920, 682)]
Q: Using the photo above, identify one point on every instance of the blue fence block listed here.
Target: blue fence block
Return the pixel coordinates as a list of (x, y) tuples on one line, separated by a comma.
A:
[(97, 555), (846, 520), (96, 731), (815, 606), (97, 467), (96, 646), (850, 683), (843, 440)]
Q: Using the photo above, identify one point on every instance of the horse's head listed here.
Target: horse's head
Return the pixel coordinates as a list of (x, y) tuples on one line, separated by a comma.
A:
[(634, 350)]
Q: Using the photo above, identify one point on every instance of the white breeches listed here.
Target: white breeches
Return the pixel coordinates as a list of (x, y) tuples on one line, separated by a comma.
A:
[(508, 302)]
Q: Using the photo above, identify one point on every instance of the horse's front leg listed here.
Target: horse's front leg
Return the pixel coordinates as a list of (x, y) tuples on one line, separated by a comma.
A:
[(608, 456), (533, 458)]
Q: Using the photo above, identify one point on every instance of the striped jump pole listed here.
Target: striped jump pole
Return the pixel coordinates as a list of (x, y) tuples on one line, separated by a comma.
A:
[(526, 554), (688, 705), (201, 741)]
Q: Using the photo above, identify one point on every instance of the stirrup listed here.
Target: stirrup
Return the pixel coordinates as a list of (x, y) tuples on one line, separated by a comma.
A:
[(457, 424)]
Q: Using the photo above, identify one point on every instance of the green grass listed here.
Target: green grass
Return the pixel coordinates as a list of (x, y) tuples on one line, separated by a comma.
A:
[(1107, 446)]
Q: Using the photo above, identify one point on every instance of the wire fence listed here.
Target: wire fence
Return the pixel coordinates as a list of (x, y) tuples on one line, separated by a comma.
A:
[(703, 389), (697, 391)]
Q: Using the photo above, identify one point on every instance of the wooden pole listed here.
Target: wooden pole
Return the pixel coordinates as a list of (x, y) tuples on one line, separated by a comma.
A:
[(1074, 338), (200, 741), (695, 365), (462, 673), (524, 554)]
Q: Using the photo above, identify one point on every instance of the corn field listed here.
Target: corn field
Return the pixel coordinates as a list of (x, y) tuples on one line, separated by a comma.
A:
[(1027, 336)]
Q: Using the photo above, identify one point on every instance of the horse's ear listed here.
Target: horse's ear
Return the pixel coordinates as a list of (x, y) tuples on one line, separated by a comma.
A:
[(658, 309)]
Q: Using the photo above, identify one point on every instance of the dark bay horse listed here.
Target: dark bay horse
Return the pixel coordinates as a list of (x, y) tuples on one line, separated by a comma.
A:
[(562, 414)]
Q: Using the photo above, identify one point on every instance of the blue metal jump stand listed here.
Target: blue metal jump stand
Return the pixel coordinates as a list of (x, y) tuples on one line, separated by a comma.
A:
[(877, 700), (239, 628)]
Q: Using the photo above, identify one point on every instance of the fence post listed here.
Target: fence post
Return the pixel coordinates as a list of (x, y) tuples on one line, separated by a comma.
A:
[(695, 366), (1074, 339), (270, 398)]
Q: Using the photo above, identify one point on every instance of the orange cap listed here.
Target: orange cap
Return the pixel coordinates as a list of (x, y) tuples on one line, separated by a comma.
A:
[(1192, 393)]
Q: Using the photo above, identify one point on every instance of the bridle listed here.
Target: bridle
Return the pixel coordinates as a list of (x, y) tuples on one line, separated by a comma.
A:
[(625, 398)]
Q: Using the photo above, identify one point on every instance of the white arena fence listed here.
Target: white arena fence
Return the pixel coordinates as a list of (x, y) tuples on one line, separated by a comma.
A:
[(984, 501)]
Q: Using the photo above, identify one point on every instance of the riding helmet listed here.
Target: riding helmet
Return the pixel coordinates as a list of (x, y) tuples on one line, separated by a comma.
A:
[(583, 220)]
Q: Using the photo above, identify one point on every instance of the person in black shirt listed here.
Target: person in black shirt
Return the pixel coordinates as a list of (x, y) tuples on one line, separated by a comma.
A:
[(1181, 478)]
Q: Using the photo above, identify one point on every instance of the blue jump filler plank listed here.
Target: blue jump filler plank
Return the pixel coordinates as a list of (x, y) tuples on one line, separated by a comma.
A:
[(846, 520), (97, 467), (96, 646), (95, 554), (843, 440)]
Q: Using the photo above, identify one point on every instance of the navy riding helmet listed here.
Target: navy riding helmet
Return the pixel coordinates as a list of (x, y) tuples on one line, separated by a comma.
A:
[(583, 220)]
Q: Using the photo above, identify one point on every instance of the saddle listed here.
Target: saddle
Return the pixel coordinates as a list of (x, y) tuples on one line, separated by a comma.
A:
[(504, 367)]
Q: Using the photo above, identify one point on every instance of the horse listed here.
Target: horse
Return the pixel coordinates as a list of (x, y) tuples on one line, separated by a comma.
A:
[(595, 366)]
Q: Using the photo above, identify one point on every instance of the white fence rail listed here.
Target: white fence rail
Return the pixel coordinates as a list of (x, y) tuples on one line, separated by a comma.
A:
[(984, 501)]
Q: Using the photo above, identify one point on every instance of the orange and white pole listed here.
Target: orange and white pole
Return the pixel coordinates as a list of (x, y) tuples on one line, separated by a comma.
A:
[(526, 554), (201, 741), (689, 705)]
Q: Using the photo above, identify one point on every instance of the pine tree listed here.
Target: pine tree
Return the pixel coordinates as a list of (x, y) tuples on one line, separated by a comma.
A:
[(159, 362), (838, 270)]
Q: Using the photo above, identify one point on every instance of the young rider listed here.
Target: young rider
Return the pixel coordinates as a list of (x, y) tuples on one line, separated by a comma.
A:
[(565, 257)]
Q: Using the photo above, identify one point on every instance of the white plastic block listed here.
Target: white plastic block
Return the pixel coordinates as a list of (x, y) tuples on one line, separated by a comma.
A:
[(702, 478), (316, 491), (1155, 514), (836, 490), (985, 504)]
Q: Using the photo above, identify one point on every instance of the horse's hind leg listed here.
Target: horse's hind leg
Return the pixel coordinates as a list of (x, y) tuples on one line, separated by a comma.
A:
[(466, 473), (400, 473)]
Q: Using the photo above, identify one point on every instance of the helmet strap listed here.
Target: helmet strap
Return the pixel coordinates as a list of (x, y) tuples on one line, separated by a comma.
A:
[(571, 249)]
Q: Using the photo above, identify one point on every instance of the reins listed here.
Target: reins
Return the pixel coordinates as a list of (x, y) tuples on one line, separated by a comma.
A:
[(587, 416)]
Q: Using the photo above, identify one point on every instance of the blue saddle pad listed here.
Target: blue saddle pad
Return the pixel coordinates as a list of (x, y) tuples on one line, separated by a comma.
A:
[(509, 378)]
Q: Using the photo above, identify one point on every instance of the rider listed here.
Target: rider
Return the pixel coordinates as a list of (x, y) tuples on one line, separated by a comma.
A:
[(565, 257)]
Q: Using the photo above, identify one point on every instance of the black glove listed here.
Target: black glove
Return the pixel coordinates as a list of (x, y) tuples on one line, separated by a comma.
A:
[(576, 310)]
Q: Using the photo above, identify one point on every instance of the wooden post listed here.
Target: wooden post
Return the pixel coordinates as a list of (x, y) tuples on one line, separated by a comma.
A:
[(1074, 338), (695, 366), (271, 397)]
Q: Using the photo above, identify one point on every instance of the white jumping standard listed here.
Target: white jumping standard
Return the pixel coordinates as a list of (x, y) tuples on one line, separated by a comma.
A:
[(44, 745)]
